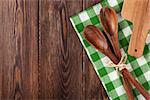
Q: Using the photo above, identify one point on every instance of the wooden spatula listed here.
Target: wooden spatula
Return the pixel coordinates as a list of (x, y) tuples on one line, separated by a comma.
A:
[(138, 12)]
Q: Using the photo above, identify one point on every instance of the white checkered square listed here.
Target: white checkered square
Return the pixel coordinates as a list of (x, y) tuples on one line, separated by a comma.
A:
[(119, 17), (105, 60), (97, 8), (147, 75), (120, 90), (91, 50), (140, 97), (127, 31), (112, 3), (141, 61), (148, 39), (129, 67), (113, 75), (122, 51), (84, 16)]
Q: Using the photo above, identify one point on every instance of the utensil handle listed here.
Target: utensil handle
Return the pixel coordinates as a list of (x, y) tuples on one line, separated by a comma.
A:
[(128, 88), (138, 86), (112, 57), (138, 35)]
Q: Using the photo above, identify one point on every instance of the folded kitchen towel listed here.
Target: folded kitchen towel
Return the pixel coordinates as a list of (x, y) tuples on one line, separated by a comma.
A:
[(138, 67)]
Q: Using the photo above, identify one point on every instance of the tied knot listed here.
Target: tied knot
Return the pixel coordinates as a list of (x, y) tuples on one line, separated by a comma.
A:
[(121, 65)]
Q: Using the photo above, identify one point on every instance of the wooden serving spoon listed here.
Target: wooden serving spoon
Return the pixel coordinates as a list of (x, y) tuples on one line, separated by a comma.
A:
[(128, 88), (98, 40), (109, 23)]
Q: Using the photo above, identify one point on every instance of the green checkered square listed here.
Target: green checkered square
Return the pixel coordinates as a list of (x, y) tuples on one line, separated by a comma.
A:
[(146, 85), (106, 78), (110, 86), (117, 82), (130, 58), (113, 94), (146, 50), (94, 20), (138, 72), (140, 67), (95, 57), (91, 50), (87, 22), (123, 24), (86, 43), (102, 72), (122, 97), (91, 12), (98, 64), (80, 27)]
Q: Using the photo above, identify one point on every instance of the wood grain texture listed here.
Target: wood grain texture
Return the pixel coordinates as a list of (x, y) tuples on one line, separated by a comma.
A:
[(19, 49), (61, 51), (41, 56), (138, 12), (93, 87)]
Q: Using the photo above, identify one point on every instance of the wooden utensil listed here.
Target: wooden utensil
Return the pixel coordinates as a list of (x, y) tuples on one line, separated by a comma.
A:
[(128, 88), (109, 23), (98, 40), (138, 12), (137, 85)]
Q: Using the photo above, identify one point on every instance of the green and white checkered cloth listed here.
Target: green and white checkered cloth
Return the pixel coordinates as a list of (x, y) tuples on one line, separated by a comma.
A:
[(139, 67)]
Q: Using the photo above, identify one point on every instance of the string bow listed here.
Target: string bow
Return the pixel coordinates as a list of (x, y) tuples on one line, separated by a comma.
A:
[(121, 65)]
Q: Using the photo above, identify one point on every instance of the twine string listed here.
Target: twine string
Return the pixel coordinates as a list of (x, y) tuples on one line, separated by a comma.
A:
[(121, 65)]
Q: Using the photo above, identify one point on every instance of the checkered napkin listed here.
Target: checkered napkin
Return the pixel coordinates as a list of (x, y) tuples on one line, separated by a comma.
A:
[(138, 67)]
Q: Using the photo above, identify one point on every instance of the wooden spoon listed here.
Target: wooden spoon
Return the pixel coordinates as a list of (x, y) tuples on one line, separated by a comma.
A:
[(98, 40), (127, 87), (109, 23), (137, 85)]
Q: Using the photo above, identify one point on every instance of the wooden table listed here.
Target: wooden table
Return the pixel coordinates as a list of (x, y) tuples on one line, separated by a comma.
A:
[(40, 53)]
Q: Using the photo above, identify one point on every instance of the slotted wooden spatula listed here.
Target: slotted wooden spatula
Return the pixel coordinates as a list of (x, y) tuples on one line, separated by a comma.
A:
[(137, 12)]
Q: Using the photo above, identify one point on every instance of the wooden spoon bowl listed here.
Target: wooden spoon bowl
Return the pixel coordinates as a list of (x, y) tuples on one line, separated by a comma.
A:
[(96, 38), (109, 23)]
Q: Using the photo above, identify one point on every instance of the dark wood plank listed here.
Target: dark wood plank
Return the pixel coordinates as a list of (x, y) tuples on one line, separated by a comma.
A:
[(18, 49), (61, 51), (61, 70), (93, 87)]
